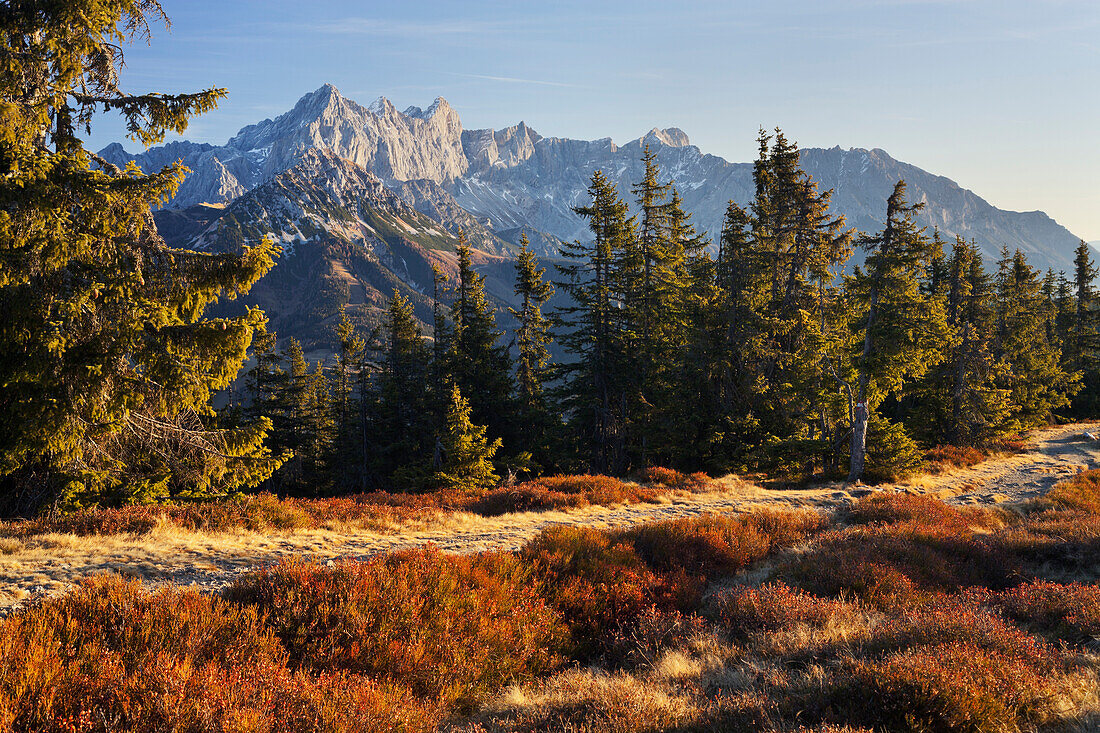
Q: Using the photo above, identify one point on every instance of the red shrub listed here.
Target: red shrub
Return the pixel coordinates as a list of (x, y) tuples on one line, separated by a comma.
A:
[(926, 511), (651, 633), (1070, 612), (112, 656), (1080, 493), (599, 586), (773, 607), (658, 476), (446, 625), (717, 544), (893, 565), (943, 458), (957, 686)]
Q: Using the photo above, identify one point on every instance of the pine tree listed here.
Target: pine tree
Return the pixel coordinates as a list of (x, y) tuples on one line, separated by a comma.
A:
[(593, 388), (467, 463), (402, 421), (1030, 365), (532, 340), (901, 327), (108, 363), (478, 363)]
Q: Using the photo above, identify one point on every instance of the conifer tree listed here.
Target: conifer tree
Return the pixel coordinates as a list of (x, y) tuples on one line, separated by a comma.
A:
[(1081, 342), (1030, 365), (308, 427), (900, 327), (402, 421), (477, 360), (532, 340), (960, 402), (108, 362), (593, 390), (467, 461)]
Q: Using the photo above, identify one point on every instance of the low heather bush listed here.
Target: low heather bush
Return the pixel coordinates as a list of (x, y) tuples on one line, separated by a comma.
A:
[(1069, 612), (561, 492), (266, 512), (673, 479), (655, 631), (716, 544), (925, 511), (943, 458), (775, 606), (896, 565), (112, 656), (600, 585), (447, 626), (1080, 493), (957, 686)]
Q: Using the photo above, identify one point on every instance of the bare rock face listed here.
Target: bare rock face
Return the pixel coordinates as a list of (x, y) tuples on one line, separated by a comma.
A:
[(496, 184), (422, 144)]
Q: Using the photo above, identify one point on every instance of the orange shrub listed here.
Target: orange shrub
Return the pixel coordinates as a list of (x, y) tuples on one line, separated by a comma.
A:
[(450, 626), (673, 479), (599, 585), (111, 656), (653, 632), (718, 544), (943, 458), (256, 512), (958, 686), (893, 565), (773, 607), (893, 507), (1080, 493), (1070, 612), (559, 492)]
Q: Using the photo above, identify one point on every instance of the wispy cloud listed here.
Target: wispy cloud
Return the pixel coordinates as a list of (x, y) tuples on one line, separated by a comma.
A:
[(407, 29), (515, 80)]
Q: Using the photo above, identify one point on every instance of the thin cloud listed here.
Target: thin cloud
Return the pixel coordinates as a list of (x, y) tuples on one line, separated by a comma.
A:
[(406, 29), (516, 80)]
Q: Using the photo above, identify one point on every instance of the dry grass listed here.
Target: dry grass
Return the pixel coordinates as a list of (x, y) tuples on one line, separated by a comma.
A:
[(900, 613), (380, 510)]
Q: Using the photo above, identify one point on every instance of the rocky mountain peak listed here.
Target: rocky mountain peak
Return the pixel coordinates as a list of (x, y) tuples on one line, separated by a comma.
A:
[(673, 137), (440, 105), (382, 107)]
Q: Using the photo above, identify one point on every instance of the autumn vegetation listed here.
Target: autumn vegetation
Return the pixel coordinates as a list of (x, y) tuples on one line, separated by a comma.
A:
[(897, 613)]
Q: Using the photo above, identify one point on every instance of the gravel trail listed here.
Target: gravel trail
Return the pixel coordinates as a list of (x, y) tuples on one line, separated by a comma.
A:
[(48, 564)]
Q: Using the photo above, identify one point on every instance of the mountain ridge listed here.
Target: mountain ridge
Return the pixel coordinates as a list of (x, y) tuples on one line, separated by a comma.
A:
[(515, 178)]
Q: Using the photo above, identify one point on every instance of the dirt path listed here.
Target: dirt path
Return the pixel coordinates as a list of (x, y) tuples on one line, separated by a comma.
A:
[(50, 563), (1054, 454)]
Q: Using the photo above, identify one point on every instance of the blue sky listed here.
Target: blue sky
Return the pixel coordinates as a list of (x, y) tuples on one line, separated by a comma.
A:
[(1001, 95)]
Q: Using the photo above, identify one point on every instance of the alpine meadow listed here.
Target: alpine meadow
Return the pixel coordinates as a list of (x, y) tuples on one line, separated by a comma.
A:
[(368, 421)]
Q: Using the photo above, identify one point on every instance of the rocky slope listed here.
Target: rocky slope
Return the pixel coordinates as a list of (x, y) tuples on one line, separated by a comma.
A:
[(346, 239), (495, 183)]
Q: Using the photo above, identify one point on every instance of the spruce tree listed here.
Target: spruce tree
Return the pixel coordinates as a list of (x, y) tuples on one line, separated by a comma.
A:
[(532, 341), (108, 362), (402, 421), (1030, 364), (477, 360), (959, 402), (308, 424), (900, 326), (593, 387), (1081, 345), (467, 460)]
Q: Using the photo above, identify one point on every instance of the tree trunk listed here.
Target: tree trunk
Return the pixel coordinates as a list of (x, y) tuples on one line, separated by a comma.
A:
[(859, 441)]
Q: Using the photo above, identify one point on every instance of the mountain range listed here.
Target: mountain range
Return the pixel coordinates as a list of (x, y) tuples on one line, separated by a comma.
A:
[(365, 199)]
